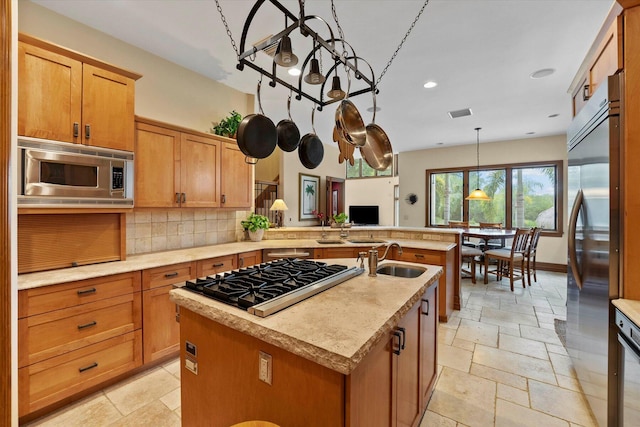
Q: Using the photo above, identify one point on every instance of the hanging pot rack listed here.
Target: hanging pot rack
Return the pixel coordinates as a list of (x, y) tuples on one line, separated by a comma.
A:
[(245, 55)]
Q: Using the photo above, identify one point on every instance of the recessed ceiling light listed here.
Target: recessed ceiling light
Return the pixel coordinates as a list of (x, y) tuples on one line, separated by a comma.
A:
[(542, 73), (439, 143), (430, 85), (530, 133), (460, 113), (553, 115), (294, 71), (370, 109)]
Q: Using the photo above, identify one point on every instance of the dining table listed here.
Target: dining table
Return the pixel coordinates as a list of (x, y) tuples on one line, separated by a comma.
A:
[(488, 234)]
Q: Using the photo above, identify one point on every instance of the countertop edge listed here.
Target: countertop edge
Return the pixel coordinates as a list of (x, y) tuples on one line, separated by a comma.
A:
[(630, 308), (345, 365)]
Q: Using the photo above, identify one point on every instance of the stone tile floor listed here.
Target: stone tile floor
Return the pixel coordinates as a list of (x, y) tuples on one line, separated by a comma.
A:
[(500, 364)]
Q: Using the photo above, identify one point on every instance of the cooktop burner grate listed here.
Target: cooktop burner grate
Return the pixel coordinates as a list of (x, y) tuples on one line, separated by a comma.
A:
[(265, 288)]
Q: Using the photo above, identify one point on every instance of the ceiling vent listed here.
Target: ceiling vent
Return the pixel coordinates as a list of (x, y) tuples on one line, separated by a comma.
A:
[(460, 113)]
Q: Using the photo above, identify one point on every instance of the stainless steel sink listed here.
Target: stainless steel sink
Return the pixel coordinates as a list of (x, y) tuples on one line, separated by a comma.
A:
[(366, 240), (400, 270), (329, 241)]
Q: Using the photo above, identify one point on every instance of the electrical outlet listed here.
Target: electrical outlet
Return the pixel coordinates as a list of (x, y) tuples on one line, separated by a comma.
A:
[(265, 367)]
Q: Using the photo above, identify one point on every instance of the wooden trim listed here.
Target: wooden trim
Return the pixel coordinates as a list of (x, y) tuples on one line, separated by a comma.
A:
[(554, 268), (177, 128), (5, 236), (35, 41)]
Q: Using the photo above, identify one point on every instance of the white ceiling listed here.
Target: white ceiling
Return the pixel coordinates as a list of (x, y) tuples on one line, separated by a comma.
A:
[(481, 53)]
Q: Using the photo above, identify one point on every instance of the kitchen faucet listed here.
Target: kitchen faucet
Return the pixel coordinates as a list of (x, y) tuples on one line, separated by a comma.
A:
[(373, 257)]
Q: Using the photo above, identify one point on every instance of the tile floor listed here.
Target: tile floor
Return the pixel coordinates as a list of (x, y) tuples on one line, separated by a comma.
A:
[(500, 364)]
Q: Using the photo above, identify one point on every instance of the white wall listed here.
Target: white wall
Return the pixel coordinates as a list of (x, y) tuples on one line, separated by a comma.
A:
[(373, 191), (290, 170), (414, 164)]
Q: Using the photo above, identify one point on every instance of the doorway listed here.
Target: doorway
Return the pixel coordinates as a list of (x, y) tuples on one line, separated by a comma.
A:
[(335, 196)]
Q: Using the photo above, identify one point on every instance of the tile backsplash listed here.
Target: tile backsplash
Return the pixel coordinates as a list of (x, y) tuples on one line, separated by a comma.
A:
[(161, 230)]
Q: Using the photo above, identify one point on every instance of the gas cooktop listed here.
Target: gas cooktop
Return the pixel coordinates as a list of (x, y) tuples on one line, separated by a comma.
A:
[(266, 288)]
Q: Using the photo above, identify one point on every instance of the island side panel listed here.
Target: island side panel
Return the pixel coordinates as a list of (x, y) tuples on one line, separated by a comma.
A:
[(226, 389)]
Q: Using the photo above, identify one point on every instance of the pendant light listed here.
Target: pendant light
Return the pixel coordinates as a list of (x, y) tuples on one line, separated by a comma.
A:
[(336, 91), (478, 194), (314, 77)]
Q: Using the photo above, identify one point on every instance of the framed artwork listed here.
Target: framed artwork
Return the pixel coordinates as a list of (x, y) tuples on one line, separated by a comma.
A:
[(309, 196)]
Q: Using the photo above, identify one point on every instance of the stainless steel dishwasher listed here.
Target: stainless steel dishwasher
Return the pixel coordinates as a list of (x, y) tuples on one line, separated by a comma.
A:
[(628, 371)]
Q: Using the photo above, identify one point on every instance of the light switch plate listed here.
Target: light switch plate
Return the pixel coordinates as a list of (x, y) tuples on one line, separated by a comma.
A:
[(265, 367), (191, 365)]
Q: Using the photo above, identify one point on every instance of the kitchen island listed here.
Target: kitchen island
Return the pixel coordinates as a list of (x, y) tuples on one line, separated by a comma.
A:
[(362, 353)]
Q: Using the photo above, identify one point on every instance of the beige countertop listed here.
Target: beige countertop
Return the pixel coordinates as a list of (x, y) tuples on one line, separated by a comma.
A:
[(158, 259), (336, 328), (630, 308)]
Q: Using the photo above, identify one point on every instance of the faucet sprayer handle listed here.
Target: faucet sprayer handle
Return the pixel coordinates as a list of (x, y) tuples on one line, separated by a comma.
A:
[(361, 257)]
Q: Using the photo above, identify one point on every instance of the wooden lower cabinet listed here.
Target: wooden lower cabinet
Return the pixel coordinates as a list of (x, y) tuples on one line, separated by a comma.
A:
[(212, 266), (245, 259), (390, 387), (159, 326), (76, 335), (447, 282)]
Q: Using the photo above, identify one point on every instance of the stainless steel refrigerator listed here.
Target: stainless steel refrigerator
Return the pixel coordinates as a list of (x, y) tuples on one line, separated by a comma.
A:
[(594, 242)]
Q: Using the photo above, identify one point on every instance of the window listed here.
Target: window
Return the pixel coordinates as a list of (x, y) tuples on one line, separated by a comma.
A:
[(522, 195), (361, 169)]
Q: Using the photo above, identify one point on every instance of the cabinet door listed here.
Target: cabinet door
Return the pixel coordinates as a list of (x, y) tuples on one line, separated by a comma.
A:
[(408, 396), (237, 178), (107, 109), (160, 329), (49, 94), (428, 343), (199, 171), (156, 160)]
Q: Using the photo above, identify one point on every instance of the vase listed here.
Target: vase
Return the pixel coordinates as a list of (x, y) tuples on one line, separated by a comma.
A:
[(256, 236)]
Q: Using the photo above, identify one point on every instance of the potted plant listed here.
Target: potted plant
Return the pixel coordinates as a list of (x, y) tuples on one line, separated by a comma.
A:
[(340, 219), (228, 126), (255, 224)]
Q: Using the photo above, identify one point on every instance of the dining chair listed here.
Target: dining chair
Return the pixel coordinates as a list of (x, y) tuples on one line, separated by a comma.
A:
[(495, 243), (530, 254), (510, 261), (462, 224), (471, 256)]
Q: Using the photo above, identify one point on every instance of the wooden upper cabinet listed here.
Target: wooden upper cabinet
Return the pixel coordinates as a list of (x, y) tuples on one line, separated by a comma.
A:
[(199, 171), (156, 164), (604, 59), (69, 97), (49, 94), (179, 167), (237, 178), (107, 109)]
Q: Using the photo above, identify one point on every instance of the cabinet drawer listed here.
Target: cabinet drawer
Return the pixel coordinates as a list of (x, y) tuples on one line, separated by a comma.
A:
[(51, 334), (423, 257), (57, 297), (211, 266), (168, 275), (47, 382)]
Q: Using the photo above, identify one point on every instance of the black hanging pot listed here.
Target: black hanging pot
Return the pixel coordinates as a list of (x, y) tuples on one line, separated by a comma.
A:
[(257, 136), (311, 150), (288, 132)]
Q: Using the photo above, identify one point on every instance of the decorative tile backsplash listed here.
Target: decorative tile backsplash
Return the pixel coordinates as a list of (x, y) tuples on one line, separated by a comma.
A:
[(161, 230)]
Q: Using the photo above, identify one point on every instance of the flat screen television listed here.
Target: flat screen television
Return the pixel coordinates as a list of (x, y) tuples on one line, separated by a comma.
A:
[(364, 215)]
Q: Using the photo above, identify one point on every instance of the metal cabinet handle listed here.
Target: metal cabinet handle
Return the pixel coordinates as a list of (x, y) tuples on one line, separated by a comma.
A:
[(87, 325), (419, 256), (87, 131), (426, 313), (184, 198), (168, 275), (87, 291), (177, 198), (86, 368), (177, 313), (585, 93), (224, 198), (397, 334), (76, 129), (220, 264), (404, 337)]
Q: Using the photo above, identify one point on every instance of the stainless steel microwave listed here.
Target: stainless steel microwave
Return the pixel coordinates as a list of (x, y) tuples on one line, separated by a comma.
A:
[(57, 174)]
